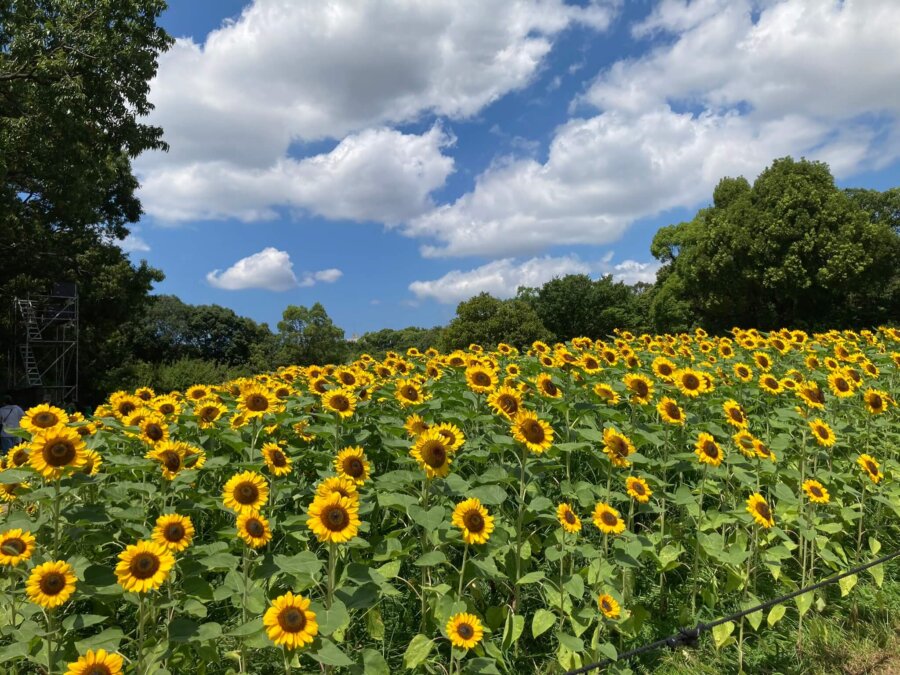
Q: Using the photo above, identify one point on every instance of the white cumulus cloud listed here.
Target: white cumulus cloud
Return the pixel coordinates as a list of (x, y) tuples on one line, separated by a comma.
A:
[(502, 278), (735, 85), (291, 71), (271, 270)]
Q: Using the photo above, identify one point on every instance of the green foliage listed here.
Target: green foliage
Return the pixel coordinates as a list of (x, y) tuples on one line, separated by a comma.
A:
[(74, 79), (389, 339), (792, 249), (178, 375), (486, 321), (308, 335)]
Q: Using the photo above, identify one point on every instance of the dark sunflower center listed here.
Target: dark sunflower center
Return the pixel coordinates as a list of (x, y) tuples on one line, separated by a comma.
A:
[(255, 528), (876, 401), (319, 386), (743, 372), (605, 606), (410, 393), (665, 369), (815, 490), (481, 378), (763, 510), (336, 518), (257, 403), (348, 379), (154, 432), (465, 631), (282, 392), (618, 447), (710, 449), (174, 532), (434, 454), (638, 488), (19, 457), (640, 388), (550, 388), (691, 381), (167, 408), (126, 407), (97, 669), (737, 415), (508, 404), (448, 436), (340, 403), (292, 620), (197, 394), (209, 414), (246, 493), (673, 411), (871, 468), (52, 583), (609, 518), (45, 420), (171, 460), (822, 432), (143, 565), (842, 384), (591, 364), (278, 459), (474, 521), (59, 453), (569, 517), (533, 431), (770, 383), (13, 546), (354, 467)]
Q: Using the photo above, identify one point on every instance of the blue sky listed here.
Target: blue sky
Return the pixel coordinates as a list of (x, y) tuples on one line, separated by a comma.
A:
[(389, 161)]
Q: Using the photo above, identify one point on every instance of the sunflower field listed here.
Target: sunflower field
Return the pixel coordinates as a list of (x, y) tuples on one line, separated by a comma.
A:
[(472, 512)]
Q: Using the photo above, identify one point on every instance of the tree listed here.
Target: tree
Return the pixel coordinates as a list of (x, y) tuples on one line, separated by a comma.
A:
[(486, 321), (74, 79), (172, 330), (389, 339), (790, 250), (308, 336)]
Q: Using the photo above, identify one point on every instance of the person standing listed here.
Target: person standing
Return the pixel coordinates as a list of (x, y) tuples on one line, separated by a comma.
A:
[(10, 417)]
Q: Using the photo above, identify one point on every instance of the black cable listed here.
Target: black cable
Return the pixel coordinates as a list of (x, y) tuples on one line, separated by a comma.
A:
[(689, 636)]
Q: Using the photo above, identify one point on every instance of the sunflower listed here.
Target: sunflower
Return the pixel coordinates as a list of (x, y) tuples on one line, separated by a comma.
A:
[(9, 492), (145, 393), (474, 521), (208, 412), (535, 433), (100, 662), (871, 467), (410, 392), (822, 433), (18, 455), (481, 380), (567, 518), (256, 400), (638, 489), (55, 449), (173, 532), (337, 484), (15, 546), (811, 394), (816, 492), (546, 387), (617, 447), (734, 414), (144, 566), (689, 382), (300, 429), (876, 401), (341, 401), (277, 462), (245, 492), (334, 519), (589, 364), (51, 584), (607, 519), (42, 417), (607, 393), (351, 463), (92, 463), (170, 455), (506, 401), (763, 451), (763, 361), (608, 606), (669, 411), (641, 388), (154, 429), (707, 450), (254, 529), (663, 368), (758, 507), (168, 406), (744, 440), (742, 371), (289, 622), (464, 630), (841, 385), (433, 453), (124, 404), (415, 425), (452, 435)]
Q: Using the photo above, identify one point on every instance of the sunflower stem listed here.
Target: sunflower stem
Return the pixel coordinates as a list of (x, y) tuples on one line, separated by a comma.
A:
[(562, 564), (462, 572), (519, 526), (331, 565), (287, 660), (56, 500), (695, 571), (140, 647), (50, 634), (245, 563)]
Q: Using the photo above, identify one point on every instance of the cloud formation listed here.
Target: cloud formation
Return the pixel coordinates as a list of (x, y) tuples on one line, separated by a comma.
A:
[(734, 85), (502, 278), (271, 270), (287, 72)]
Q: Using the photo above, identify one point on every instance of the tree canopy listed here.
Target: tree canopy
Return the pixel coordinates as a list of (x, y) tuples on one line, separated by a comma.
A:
[(486, 320), (308, 335)]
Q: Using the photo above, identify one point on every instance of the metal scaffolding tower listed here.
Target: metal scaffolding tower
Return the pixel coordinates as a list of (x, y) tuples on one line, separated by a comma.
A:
[(44, 358)]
